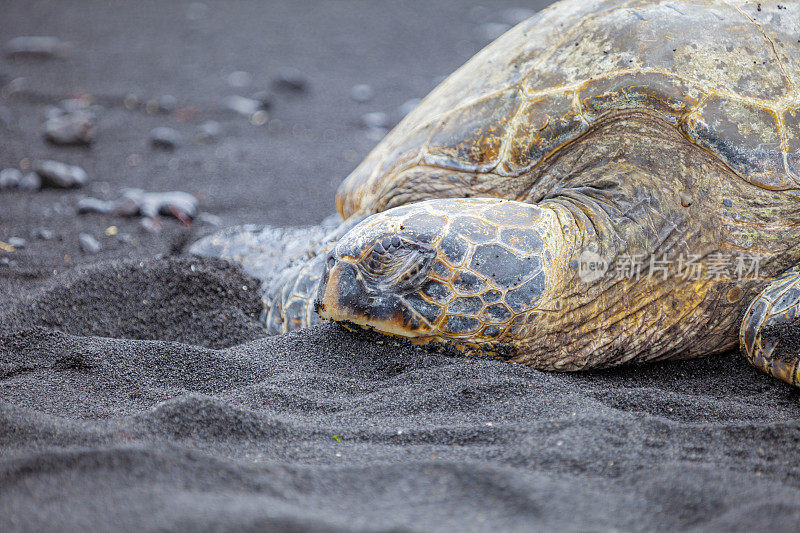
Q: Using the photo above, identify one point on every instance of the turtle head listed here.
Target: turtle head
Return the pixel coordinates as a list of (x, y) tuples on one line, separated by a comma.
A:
[(466, 270)]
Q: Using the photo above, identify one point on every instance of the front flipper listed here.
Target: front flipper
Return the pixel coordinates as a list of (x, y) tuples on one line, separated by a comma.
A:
[(770, 331)]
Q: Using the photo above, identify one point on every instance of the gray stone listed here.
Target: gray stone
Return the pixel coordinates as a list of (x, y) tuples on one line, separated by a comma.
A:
[(242, 105), (376, 119), (36, 46), (89, 244), (30, 182), (165, 138), (10, 178), (362, 93), (60, 175), (18, 242), (209, 132), (94, 205), (74, 128)]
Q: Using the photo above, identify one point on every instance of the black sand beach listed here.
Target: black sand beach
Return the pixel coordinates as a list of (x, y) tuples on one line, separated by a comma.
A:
[(137, 391)]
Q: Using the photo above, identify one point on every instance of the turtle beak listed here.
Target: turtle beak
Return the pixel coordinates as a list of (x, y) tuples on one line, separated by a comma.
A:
[(343, 297)]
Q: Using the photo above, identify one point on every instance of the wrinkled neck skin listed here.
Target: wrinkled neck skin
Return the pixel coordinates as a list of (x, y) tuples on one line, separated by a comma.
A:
[(635, 192), (631, 244)]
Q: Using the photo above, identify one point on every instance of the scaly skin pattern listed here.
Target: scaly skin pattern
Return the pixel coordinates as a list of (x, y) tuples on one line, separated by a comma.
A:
[(646, 128)]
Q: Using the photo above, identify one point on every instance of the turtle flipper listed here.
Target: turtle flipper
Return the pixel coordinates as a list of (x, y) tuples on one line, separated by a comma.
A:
[(288, 262), (770, 331)]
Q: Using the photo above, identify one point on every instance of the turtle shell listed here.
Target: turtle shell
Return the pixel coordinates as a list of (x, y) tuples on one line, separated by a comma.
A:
[(726, 74)]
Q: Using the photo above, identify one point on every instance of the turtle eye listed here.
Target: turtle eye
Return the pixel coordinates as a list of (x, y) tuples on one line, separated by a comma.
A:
[(395, 264)]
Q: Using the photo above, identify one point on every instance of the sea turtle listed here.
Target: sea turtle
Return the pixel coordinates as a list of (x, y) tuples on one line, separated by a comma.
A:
[(610, 181)]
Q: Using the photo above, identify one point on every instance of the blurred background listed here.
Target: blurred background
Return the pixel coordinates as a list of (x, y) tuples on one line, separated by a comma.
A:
[(329, 77)]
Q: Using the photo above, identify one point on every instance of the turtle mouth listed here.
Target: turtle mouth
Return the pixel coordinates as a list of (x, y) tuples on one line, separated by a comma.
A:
[(371, 291)]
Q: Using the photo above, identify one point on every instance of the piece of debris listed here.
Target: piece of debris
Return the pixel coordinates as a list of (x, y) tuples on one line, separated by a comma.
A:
[(60, 175), (165, 138), (10, 178), (89, 244)]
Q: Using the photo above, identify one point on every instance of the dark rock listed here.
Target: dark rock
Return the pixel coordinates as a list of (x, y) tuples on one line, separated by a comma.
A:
[(10, 178), (60, 175), (89, 244), (165, 138)]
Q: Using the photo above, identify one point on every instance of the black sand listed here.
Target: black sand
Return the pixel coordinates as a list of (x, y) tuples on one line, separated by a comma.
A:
[(137, 393)]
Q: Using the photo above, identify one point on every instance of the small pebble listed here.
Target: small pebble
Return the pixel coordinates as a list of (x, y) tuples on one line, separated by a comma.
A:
[(290, 81), (515, 15), (362, 93), (167, 103), (165, 138), (43, 234), (10, 178), (209, 132), (89, 244), (408, 106), (94, 205), (151, 225), (376, 119), (490, 31), (209, 219), (264, 98), (242, 105), (375, 134), (75, 128), (18, 242), (30, 182), (239, 78), (151, 204), (60, 175), (36, 46)]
